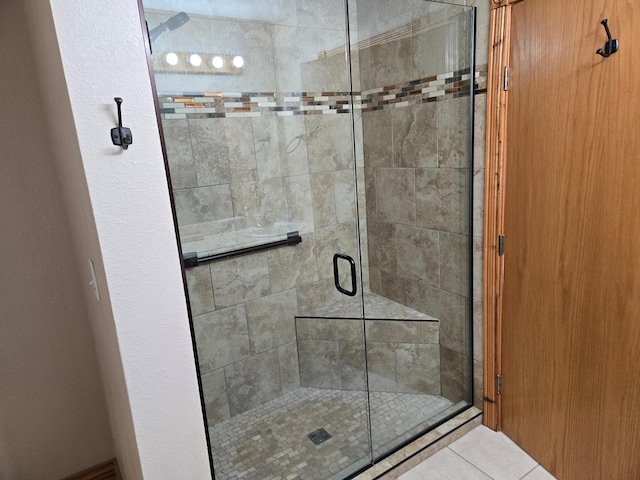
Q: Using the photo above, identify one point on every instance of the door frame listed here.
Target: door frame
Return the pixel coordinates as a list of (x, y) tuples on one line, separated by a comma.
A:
[(495, 168)]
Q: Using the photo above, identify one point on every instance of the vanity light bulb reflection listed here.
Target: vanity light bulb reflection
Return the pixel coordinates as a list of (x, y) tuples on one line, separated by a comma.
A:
[(171, 59), (238, 61), (217, 62), (195, 60)]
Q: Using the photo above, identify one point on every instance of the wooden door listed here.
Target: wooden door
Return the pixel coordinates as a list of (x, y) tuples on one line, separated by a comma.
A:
[(571, 309)]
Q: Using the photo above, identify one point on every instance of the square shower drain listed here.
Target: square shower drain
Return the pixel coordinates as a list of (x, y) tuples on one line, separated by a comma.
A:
[(319, 436)]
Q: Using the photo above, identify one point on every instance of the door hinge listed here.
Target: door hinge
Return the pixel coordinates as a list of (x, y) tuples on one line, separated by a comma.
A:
[(500, 244), (499, 384), (507, 78)]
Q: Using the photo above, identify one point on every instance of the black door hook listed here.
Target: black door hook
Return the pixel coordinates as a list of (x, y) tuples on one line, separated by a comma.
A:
[(612, 44), (121, 135)]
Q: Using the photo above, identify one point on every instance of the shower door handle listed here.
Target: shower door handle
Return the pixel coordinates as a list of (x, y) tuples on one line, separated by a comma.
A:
[(336, 276)]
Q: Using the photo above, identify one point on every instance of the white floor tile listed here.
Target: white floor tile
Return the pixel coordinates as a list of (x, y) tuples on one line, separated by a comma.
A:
[(539, 473), (494, 454), (444, 465)]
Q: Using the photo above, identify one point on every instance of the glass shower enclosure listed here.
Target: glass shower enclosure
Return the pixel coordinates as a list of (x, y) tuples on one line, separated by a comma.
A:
[(319, 155)]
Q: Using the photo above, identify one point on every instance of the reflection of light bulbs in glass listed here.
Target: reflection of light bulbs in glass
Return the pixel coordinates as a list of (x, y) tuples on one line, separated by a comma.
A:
[(217, 62), (171, 59), (195, 60), (238, 61)]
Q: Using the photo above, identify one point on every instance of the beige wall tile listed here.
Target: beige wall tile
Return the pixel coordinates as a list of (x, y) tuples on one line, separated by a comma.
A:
[(222, 337), (454, 263), (240, 279), (179, 154), (453, 133), (418, 250), (442, 199), (271, 321), (344, 330), (396, 195), (289, 367), (377, 138), (200, 290), (324, 199), (329, 142), (418, 368), (203, 204), (253, 381), (293, 266), (415, 135), (382, 245), (215, 397), (381, 367), (352, 366), (319, 364), (223, 150)]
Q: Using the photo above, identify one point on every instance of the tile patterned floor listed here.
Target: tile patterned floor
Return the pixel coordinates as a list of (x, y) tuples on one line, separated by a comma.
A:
[(271, 442), (481, 454)]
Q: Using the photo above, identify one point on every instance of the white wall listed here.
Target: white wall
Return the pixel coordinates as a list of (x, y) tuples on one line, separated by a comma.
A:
[(53, 418), (118, 205)]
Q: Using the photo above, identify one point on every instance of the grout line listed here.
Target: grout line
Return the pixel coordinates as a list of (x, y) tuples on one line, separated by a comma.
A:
[(470, 463), (534, 467)]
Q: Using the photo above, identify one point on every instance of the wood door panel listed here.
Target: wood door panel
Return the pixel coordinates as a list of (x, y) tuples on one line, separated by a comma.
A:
[(571, 311)]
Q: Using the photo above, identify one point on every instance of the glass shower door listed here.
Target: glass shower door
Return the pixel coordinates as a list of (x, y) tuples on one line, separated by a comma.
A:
[(321, 180), (414, 80), (256, 116)]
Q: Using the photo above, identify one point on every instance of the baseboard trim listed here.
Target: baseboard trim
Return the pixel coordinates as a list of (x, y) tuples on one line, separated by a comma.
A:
[(103, 471)]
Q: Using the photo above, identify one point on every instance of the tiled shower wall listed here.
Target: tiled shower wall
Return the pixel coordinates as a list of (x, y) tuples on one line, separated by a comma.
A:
[(417, 181), (244, 308), (260, 169)]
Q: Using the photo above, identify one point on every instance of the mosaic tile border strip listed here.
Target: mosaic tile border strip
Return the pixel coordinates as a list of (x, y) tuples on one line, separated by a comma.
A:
[(264, 104)]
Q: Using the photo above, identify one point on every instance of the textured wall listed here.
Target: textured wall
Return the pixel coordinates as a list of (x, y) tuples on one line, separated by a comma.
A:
[(53, 417), (120, 216)]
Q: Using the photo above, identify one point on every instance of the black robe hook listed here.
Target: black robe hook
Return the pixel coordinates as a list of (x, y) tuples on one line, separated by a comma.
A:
[(612, 44), (121, 135)]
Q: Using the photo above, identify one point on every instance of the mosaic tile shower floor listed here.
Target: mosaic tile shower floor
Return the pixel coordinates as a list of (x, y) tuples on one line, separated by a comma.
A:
[(271, 442)]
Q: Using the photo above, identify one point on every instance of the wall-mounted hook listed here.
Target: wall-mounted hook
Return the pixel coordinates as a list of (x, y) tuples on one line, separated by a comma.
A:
[(612, 44), (120, 135)]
